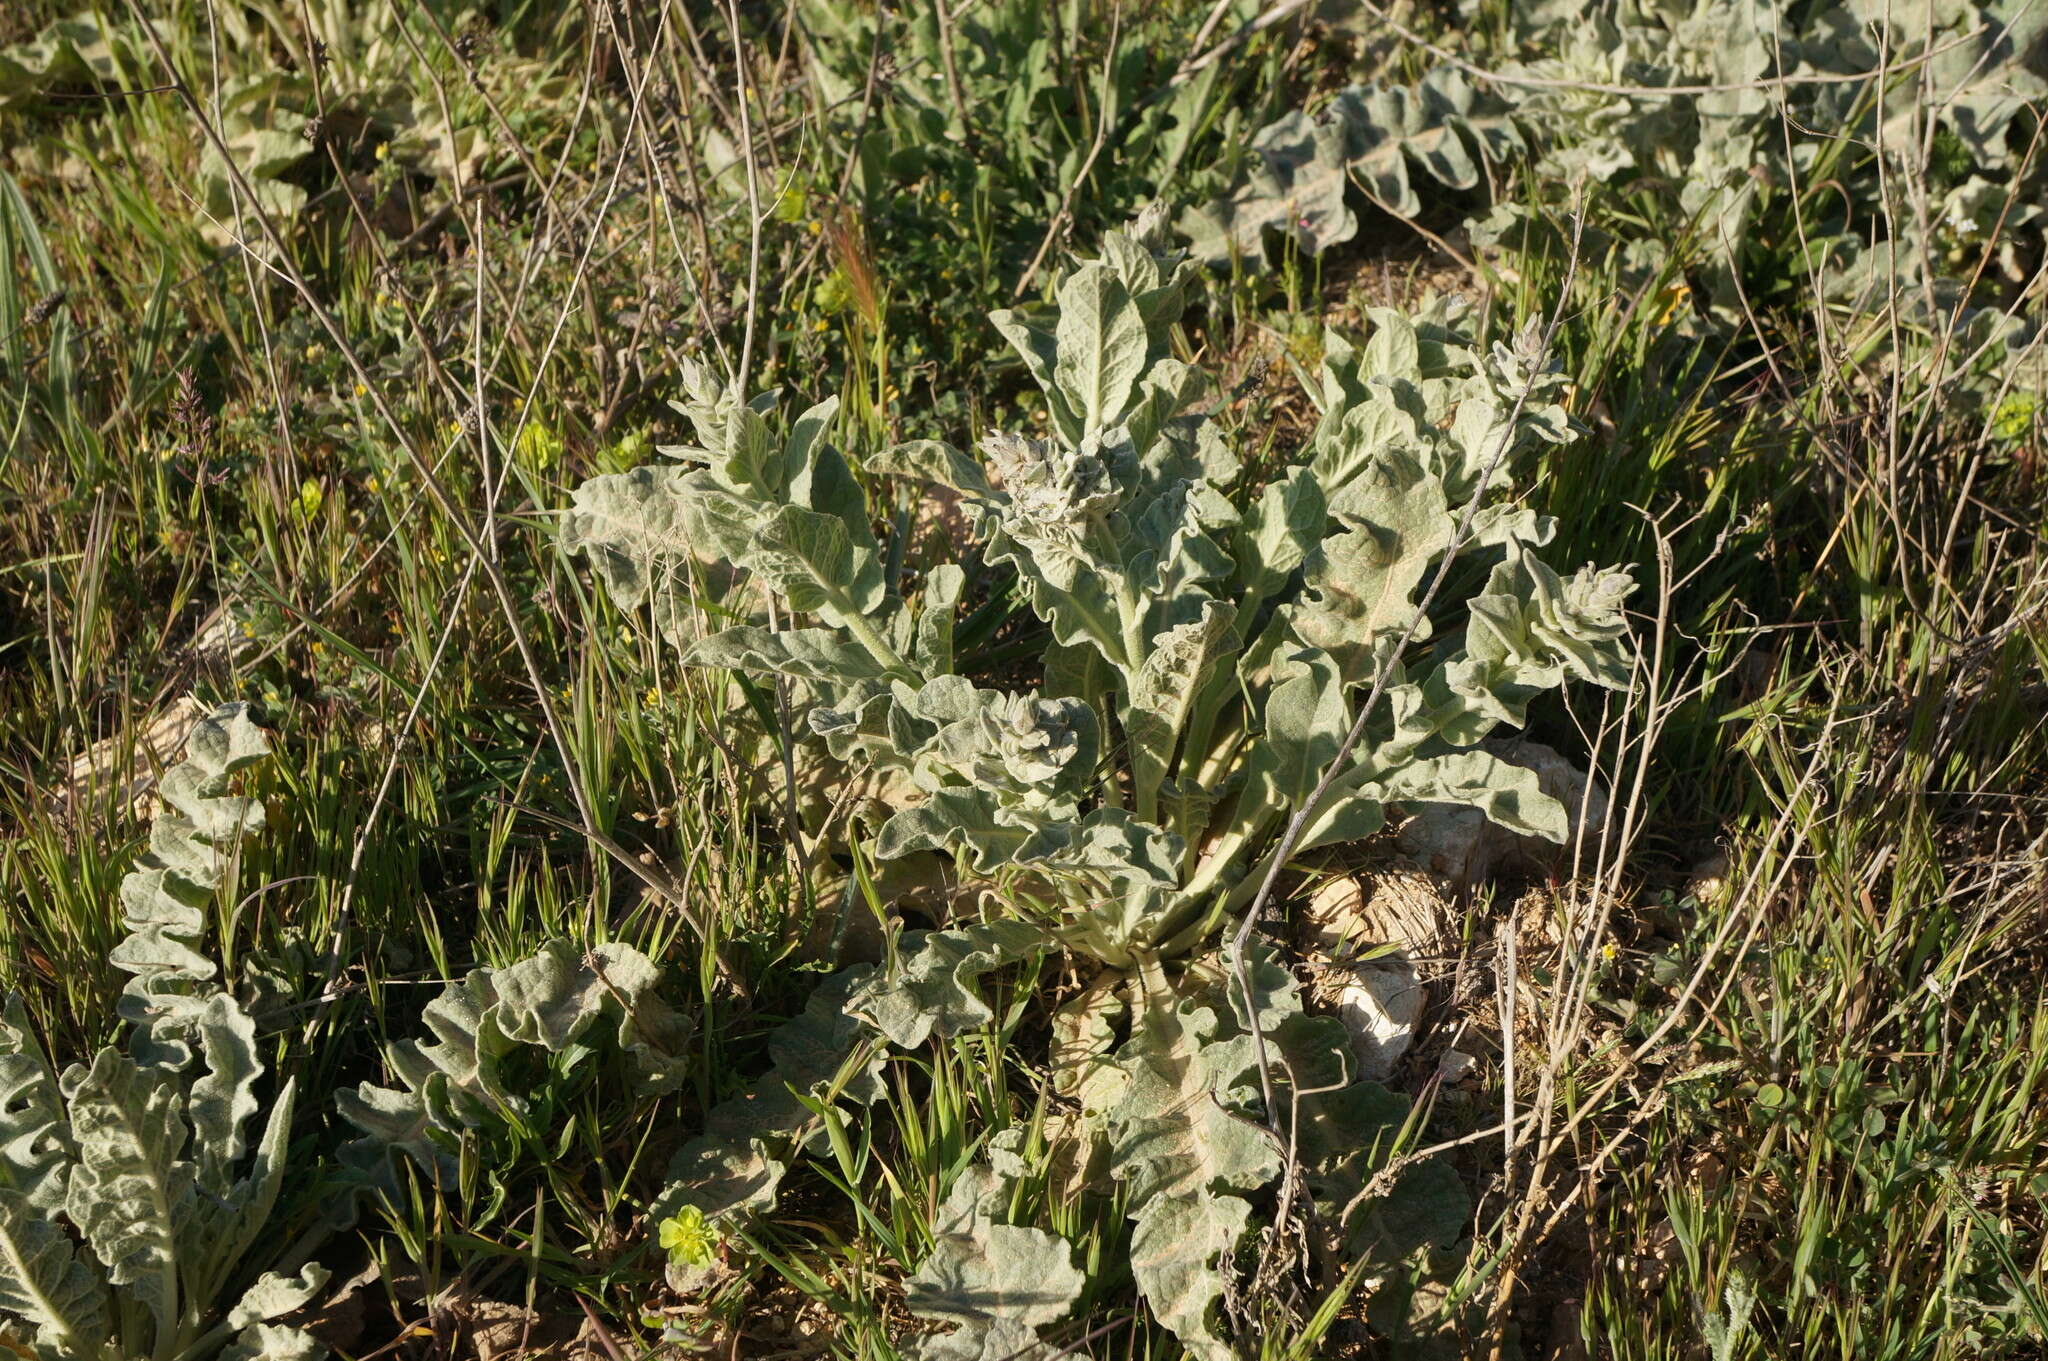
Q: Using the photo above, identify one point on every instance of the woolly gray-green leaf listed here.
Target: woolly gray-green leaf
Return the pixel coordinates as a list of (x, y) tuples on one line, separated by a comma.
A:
[(645, 530), (1306, 719), (1509, 795), (1295, 188), (995, 1339), (164, 897), (274, 1295), (132, 1187), (35, 1140), (813, 562), (44, 1281), (934, 461), (1180, 1256), (225, 1097), (272, 1342), (1164, 690), (822, 655), (735, 1168), (1543, 626), (1039, 349), (981, 1269), (1101, 345), (933, 650), (1277, 535), (1361, 583), (932, 989), (551, 1000)]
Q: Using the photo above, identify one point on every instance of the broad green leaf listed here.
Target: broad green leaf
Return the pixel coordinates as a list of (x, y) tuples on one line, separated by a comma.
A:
[(957, 820)]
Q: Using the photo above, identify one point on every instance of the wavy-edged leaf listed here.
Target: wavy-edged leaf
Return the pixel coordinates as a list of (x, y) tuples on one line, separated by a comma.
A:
[(645, 530), (164, 898), (996, 1339), (1164, 691), (1180, 1252), (933, 650), (44, 1281), (1362, 580), (272, 1342), (823, 655), (1101, 345), (35, 1139), (551, 1000), (1511, 796), (981, 1269), (812, 561), (274, 1295), (1039, 350), (931, 991), (132, 1186), (735, 1168), (934, 461)]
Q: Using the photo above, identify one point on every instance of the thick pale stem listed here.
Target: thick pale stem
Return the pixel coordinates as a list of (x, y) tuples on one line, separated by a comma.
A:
[(877, 646)]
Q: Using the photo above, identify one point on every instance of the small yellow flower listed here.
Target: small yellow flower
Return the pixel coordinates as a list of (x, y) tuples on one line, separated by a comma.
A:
[(687, 1239), (372, 485), (312, 353), (362, 391), (1609, 952), (652, 698), (383, 148)]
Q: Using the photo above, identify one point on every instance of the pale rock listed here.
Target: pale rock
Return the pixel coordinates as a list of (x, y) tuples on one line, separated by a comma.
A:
[(1362, 936), (1455, 1066)]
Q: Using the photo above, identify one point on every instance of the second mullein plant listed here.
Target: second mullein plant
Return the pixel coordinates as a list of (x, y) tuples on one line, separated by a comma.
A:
[(1212, 639)]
